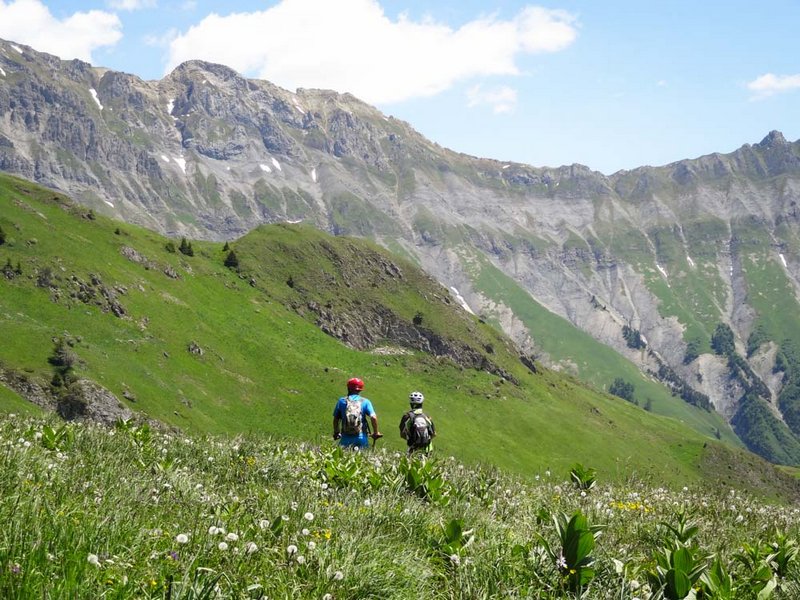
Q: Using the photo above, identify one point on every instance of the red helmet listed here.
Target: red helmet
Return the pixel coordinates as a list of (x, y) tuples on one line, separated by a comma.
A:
[(355, 385)]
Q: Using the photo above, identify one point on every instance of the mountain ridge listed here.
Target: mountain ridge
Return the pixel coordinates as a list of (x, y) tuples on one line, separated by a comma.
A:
[(666, 252)]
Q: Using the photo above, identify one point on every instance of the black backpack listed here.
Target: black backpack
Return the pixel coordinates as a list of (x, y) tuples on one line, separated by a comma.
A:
[(419, 430)]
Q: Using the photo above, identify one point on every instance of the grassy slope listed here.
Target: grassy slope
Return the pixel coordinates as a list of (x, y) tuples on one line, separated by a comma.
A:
[(265, 369)]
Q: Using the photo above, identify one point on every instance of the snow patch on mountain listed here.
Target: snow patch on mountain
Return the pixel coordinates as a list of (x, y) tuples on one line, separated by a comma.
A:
[(460, 299), (664, 273), (93, 92), (265, 168), (276, 164), (689, 258), (181, 162), (314, 175), (17, 48), (783, 260)]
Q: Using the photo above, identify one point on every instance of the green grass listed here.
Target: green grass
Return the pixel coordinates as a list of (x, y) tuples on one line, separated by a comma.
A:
[(136, 513), (268, 369)]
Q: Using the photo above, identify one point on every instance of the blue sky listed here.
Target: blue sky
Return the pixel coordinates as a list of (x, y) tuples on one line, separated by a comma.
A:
[(612, 84)]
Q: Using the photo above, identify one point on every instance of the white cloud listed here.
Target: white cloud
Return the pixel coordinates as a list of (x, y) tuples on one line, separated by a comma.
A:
[(662, 83), (131, 4), (502, 99), (352, 46), (770, 84), (76, 36), (163, 40)]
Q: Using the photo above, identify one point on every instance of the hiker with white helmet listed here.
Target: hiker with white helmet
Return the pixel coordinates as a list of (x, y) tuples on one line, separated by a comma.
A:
[(350, 418), (416, 428)]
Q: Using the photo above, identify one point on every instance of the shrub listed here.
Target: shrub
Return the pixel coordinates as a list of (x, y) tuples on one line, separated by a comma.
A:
[(622, 389), (186, 248), (232, 261), (2, 236), (170, 247), (722, 339)]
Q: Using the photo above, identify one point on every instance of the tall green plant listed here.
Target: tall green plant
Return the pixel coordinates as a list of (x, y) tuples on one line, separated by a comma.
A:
[(574, 559)]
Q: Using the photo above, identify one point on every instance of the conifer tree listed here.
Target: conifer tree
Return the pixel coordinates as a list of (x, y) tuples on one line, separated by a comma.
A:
[(2, 236), (232, 261), (186, 247), (226, 247)]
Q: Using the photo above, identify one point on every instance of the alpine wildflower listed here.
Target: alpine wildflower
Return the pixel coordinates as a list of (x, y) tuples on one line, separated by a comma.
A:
[(92, 559)]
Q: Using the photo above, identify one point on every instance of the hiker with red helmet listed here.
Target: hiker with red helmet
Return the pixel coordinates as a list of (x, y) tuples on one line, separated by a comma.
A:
[(350, 418)]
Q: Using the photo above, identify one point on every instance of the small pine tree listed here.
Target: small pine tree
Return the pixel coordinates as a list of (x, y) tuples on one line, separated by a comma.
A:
[(117, 231), (170, 247), (232, 261), (226, 247), (186, 247), (63, 360), (90, 215), (2, 236)]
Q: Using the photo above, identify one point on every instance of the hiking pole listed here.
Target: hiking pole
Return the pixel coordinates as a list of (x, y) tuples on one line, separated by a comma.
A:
[(375, 439)]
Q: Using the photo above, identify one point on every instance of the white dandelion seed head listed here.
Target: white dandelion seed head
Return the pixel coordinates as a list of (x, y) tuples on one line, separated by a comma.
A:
[(305, 532), (308, 516), (263, 523), (93, 559), (338, 576), (291, 549), (312, 544), (232, 537), (251, 547), (367, 502), (301, 560), (222, 546), (182, 538)]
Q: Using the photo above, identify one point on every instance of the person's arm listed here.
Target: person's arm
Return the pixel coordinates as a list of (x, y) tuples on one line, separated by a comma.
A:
[(375, 431), (403, 421), (336, 420)]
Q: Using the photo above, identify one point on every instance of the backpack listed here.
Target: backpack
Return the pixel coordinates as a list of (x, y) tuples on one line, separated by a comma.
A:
[(352, 422), (418, 430)]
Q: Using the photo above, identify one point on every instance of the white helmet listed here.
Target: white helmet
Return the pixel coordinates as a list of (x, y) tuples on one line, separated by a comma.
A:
[(416, 398)]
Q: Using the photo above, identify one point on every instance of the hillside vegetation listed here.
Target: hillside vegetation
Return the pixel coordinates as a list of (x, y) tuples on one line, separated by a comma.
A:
[(196, 345), (92, 512)]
